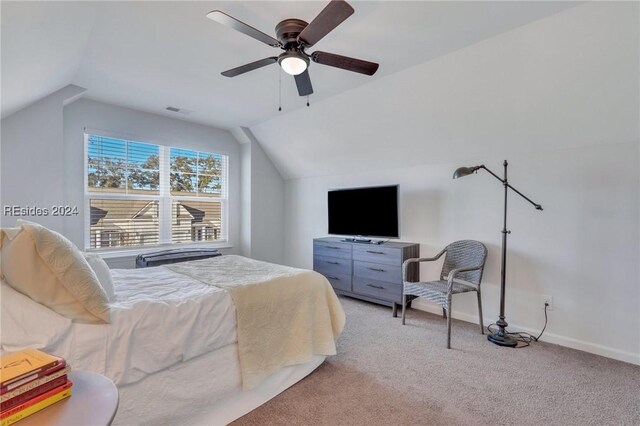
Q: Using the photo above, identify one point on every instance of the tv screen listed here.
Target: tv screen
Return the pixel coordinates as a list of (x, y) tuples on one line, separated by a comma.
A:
[(371, 212)]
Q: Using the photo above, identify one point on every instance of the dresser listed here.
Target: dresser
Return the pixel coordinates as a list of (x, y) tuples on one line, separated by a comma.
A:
[(371, 272)]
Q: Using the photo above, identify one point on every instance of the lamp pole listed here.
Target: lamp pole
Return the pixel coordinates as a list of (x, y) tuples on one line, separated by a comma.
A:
[(500, 337)]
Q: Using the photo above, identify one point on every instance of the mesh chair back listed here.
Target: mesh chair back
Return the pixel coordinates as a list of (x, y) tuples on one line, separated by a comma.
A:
[(463, 254)]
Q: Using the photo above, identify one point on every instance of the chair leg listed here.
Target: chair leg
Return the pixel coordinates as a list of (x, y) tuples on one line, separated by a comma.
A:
[(444, 313), (449, 323), (480, 312), (404, 307)]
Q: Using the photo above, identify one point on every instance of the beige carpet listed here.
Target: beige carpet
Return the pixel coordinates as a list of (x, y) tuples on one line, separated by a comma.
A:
[(388, 374)]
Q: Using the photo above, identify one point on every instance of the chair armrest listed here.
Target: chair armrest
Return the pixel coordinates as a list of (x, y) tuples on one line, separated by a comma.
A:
[(406, 263), (456, 271)]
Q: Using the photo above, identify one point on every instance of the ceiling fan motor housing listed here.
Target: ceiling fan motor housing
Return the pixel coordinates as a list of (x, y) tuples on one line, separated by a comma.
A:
[(287, 32)]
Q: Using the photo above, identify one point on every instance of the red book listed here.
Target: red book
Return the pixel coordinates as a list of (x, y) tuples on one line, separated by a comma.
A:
[(30, 394), (4, 397), (52, 368), (37, 399)]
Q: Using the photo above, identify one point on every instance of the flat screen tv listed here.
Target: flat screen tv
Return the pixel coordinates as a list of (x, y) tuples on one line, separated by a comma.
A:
[(364, 212)]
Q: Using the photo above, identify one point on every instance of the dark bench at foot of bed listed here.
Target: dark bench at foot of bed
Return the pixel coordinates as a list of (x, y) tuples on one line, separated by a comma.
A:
[(164, 257)]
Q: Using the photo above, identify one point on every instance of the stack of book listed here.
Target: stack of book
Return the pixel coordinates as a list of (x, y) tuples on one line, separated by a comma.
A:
[(31, 380)]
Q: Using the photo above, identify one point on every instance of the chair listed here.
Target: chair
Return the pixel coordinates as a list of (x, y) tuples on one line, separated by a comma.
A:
[(464, 260)]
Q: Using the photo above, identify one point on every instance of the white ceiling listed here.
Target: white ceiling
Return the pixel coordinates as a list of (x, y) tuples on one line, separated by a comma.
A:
[(149, 55), (565, 82)]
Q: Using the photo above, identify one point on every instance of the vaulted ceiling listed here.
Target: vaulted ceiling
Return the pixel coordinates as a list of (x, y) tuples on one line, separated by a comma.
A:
[(149, 55)]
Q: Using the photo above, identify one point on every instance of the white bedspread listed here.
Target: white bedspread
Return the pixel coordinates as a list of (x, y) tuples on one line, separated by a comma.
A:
[(159, 318)]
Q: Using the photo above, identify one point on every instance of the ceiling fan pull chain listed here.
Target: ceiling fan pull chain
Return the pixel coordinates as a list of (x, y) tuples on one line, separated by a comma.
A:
[(307, 100), (280, 90)]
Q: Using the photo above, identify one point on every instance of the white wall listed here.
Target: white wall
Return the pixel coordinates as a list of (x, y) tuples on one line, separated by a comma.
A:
[(144, 127), (245, 199), (33, 159), (267, 208), (559, 98), (42, 165), (262, 228), (581, 249)]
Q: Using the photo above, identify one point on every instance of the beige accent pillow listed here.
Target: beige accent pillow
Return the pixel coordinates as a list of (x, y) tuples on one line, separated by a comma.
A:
[(50, 269)]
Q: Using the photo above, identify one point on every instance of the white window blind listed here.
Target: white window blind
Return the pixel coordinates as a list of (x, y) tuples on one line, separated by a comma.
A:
[(139, 194), (195, 220)]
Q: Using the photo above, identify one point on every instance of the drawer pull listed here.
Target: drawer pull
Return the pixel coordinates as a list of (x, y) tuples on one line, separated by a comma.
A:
[(375, 252), (333, 263), (377, 269), (333, 278), (333, 247), (375, 286)]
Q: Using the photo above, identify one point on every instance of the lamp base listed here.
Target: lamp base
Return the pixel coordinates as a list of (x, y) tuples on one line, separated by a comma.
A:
[(501, 339)]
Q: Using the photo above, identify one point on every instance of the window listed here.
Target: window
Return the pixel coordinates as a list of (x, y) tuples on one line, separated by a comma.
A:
[(139, 194)]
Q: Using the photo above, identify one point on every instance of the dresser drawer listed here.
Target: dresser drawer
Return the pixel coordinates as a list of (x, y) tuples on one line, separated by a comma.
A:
[(377, 271), (340, 282), (323, 248), (331, 265), (378, 289), (378, 254)]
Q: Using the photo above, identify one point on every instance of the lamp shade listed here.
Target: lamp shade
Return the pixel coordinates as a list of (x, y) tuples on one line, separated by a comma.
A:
[(464, 171)]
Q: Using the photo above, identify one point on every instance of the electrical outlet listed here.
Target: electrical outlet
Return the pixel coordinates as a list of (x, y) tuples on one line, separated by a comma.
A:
[(545, 298)]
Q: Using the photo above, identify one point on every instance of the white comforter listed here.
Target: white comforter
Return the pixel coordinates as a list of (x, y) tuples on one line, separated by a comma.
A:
[(159, 318)]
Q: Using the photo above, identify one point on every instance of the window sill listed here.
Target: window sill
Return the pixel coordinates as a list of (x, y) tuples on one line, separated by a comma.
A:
[(111, 254)]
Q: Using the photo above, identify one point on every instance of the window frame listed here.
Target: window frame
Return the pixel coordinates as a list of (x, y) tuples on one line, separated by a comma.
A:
[(164, 198)]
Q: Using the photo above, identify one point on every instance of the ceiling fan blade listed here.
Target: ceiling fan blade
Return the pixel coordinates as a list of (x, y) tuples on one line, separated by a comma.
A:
[(345, 63), (238, 25), (304, 83), (250, 67), (330, 17)]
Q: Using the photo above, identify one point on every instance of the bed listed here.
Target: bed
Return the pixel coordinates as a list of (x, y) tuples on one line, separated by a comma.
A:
[(202, 342)]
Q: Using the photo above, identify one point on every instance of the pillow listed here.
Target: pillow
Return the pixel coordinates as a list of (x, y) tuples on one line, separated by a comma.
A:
[(49, 269), (8, 234), (28, 324), (102, 271)]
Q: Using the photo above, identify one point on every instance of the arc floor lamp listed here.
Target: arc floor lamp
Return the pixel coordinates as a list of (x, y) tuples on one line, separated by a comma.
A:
[(500, 337)]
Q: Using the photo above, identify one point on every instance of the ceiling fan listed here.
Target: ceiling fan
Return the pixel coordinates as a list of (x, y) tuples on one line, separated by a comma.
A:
[(294, 37)]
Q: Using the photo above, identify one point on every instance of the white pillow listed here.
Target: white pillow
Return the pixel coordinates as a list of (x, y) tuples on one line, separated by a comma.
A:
[(103, 273), (28, 324), (49, 269)]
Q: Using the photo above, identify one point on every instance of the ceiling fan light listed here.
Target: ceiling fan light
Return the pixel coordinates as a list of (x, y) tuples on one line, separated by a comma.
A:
[(293, 65)]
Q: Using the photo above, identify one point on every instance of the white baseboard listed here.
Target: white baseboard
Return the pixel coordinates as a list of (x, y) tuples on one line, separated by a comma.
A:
[(568, 342)]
